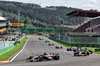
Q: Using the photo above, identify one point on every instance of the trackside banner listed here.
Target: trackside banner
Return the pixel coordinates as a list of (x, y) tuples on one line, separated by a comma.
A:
[(16, 24)]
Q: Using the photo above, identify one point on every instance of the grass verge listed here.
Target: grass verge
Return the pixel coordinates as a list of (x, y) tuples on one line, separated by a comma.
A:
[(98, 52), (7, 55), (91, 48)]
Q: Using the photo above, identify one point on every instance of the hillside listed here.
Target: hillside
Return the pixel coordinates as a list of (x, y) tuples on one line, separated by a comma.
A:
[(35, 12), (34, 16)]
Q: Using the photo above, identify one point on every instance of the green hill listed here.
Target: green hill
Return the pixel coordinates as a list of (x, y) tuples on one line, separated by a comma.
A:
[(34, 16)]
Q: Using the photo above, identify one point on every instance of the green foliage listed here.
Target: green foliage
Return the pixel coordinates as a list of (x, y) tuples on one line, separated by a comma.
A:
[(68, 45), (36, 16), (32, 12)]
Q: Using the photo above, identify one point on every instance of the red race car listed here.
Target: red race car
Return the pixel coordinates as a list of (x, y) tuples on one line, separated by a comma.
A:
[(44, 57)]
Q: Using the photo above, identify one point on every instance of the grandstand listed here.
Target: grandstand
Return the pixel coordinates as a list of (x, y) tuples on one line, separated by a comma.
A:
[(3, 25), (91, 26)]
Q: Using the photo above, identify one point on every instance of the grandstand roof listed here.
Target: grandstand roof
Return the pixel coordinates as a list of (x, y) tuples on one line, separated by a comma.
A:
[(84, 13), (2, 18)]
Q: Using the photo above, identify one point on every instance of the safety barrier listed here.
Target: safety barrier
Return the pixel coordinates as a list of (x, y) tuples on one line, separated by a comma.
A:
[(96, 50), (4, 44), (7, 45), (63, 42), (78, 40), (76, 45)]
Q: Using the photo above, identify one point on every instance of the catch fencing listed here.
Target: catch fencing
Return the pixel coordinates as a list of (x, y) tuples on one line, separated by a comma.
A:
[(78, 41)]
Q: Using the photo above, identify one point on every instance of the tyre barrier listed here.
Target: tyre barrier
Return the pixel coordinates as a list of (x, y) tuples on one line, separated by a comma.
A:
[(96, 50)]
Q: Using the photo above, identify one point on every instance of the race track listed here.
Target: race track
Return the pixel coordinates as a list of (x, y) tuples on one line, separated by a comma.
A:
[(34, 47)]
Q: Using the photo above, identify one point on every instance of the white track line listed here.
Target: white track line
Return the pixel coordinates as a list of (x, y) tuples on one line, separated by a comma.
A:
[(19, 51)]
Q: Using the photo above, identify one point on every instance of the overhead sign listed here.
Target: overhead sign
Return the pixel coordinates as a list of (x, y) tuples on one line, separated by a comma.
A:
[(16, 24)]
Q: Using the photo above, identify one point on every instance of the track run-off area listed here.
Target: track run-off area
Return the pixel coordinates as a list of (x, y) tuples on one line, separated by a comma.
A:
[(34, 47)]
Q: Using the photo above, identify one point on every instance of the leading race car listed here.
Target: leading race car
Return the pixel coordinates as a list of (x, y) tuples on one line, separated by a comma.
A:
[(44, 57)]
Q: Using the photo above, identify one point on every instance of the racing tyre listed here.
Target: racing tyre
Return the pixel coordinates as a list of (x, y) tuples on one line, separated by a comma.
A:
[(74, 50), (27, 59), (61, 47), (87, 53), (31, 60), (30, 57), (91, 51), (75, 54), (57, 57), (67, 49)]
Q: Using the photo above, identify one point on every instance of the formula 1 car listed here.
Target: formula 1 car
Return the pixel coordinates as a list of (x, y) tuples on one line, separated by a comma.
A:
[(40, 38), (79, 53), (90, 51), (47, 41), (58, 47), (50, 44), (44, 57), (70, 49)]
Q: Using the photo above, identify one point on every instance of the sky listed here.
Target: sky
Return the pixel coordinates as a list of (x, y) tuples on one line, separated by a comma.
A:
[(82, 4)]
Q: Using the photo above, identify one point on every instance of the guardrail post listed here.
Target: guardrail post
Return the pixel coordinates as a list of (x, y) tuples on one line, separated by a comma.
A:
[(59, 36)]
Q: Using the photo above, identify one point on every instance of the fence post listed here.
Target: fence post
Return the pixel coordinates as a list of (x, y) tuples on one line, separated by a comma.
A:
[(85, 45), (71, 39), (4, 43), (59, 36), (95, 46)]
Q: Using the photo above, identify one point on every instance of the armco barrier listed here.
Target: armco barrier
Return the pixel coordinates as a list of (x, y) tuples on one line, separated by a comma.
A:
[(76, 45), (60, 41)]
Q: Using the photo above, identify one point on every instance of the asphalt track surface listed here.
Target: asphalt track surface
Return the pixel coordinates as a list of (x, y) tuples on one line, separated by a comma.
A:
[(34, 47)]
